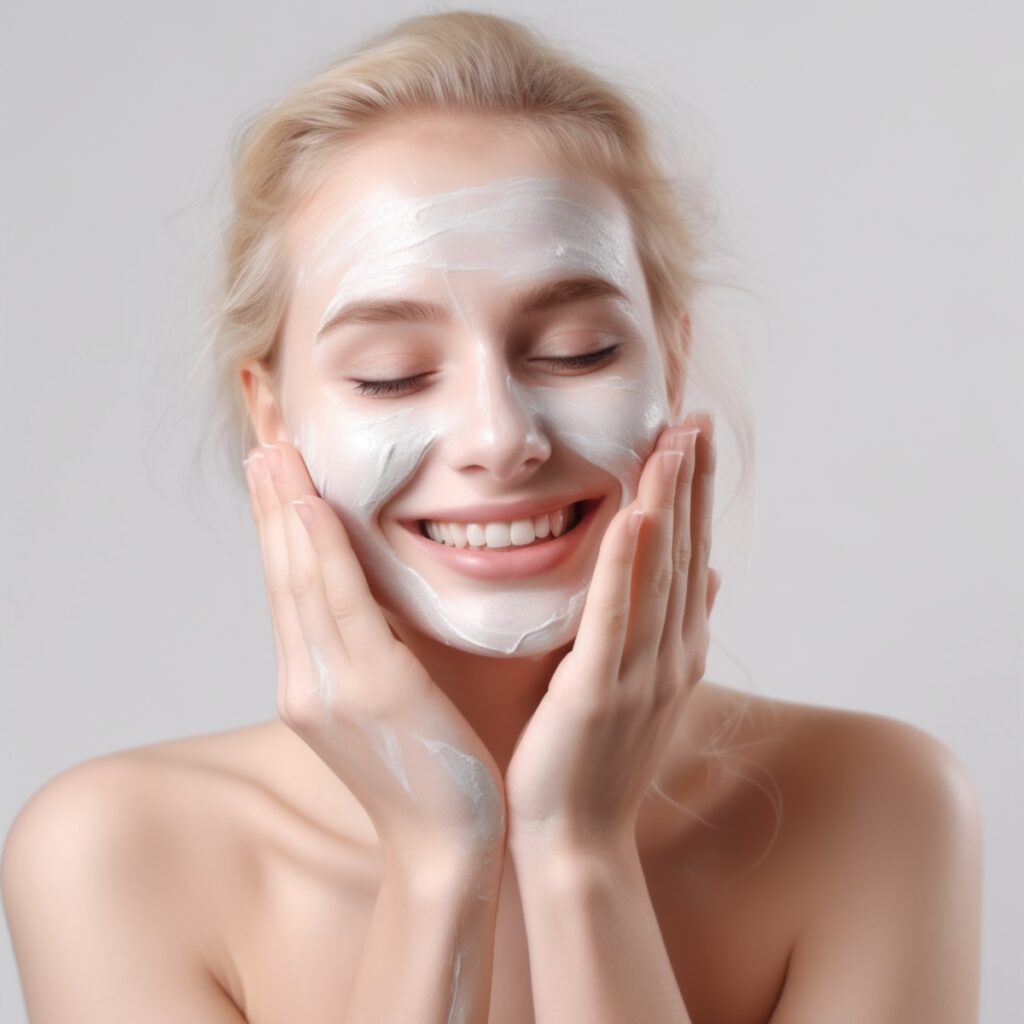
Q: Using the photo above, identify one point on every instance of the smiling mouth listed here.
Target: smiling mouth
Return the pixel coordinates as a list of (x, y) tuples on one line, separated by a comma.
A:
[(530, 532)]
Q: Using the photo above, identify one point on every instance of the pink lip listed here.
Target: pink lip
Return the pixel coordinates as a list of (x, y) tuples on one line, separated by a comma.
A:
[(511, 563), (522, 509)]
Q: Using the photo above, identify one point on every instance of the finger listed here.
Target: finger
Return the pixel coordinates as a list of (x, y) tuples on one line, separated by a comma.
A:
[(714, 585), (671, 632), (652, 577), (254, 505), (695, 616), (602, 630), (328, 659), (328, 571), (293, 658)]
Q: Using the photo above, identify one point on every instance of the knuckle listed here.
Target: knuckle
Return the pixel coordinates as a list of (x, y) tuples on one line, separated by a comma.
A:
[(683, 556), (697, 659), (617, 618), (277, 589), (637, 696), (661, 581), (595, 712), (681, 573), (302, 711), (699, 667), (665, 693), (342, 606), (287, 705), (286, 708), (303, 583), (702, 550)]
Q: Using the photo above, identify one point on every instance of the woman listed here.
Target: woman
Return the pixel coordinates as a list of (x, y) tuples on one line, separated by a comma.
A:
[(458, 316)]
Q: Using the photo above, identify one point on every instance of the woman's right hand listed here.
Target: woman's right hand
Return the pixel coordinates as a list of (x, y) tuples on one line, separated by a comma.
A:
[(355, 693)]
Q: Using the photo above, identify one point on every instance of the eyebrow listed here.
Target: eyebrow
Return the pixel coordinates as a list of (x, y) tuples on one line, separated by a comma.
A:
[(542, 296)]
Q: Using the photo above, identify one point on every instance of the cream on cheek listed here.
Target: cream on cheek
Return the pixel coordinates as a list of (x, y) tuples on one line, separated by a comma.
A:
[(362, 451)]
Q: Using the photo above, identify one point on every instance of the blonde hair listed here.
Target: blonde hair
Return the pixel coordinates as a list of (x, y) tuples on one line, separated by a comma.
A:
[(462, 62)]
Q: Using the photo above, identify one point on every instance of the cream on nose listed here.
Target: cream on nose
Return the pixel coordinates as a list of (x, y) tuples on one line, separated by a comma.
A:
[(494, 427)]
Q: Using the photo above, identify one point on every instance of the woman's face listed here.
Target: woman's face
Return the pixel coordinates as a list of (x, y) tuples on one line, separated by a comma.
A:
[(469, 355)]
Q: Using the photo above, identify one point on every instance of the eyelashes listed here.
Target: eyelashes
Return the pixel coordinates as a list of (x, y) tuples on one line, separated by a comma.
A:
[(387, 387), (407, 384)]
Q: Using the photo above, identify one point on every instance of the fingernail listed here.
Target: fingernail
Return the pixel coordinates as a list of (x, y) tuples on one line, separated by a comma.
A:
[(305, 513), (273, 457), (705, 419), (633, 523), (709, 423), (683, 441), (256, 465), (670, 461)]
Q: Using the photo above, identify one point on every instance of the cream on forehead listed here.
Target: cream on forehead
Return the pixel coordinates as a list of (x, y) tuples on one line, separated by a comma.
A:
[(360, 452), (518, 229)]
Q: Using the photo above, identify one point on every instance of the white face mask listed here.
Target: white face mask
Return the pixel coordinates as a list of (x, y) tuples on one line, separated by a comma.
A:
[(473, 249)]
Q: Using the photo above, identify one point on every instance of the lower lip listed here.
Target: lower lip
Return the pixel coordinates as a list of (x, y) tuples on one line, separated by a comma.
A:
[(511, 563)]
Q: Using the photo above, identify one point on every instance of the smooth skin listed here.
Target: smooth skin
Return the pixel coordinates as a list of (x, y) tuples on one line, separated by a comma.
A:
[(583, 764)]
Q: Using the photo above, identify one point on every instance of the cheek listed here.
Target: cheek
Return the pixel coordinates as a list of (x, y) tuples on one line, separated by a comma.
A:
[(357, 462), (613, 424)]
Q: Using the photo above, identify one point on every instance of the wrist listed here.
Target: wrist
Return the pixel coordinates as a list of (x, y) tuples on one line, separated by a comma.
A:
[(554, 876), (443, 869), (569, 852)]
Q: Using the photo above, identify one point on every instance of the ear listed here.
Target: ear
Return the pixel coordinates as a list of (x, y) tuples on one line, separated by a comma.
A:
[(260, 394)]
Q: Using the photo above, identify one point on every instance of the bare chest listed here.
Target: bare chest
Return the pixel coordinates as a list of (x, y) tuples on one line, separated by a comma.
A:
[(296, 938), (725, 869)]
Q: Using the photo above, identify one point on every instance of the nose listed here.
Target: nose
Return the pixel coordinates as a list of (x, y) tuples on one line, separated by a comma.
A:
[(492, 426)]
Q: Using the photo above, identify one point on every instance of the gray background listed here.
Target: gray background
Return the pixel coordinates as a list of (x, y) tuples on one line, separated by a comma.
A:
[(869, 163)]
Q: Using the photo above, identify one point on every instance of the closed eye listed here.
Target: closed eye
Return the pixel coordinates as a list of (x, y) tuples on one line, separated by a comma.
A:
[(575, 362), (387, 387), (406, 384)]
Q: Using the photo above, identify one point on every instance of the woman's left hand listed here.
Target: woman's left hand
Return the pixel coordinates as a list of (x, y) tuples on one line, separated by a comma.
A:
[(583, 763)]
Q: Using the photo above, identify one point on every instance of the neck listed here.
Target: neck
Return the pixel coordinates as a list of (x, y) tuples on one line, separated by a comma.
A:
[(497, 696)]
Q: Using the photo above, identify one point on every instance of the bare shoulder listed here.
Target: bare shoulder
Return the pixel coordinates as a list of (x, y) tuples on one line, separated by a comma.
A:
[(831, 791), (96, 894), (847, 758), (213, 814), (871, 767), (880, 857), (98, 815), (215, 846)]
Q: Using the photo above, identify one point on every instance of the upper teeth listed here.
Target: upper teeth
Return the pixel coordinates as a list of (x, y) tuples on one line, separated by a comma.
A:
[(515, 533)]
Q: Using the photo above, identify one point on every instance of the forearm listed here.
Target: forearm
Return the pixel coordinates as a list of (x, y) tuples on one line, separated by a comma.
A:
[(430, 946), (596, 951)]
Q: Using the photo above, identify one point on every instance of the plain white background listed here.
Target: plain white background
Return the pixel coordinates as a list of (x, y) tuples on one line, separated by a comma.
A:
[(869, 161)]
